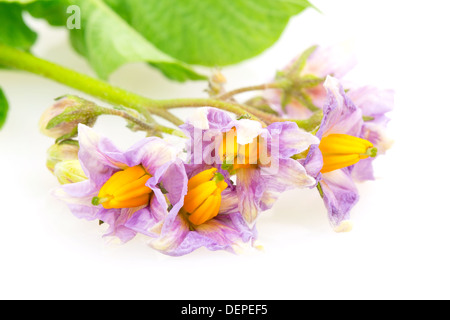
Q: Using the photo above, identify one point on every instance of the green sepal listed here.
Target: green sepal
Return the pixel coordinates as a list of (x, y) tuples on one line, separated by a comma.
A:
[(319, 188)]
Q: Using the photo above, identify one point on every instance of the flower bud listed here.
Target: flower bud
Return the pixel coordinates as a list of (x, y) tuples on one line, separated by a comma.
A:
[(63, 117), (62, 152), (69, 171), (216, 83)]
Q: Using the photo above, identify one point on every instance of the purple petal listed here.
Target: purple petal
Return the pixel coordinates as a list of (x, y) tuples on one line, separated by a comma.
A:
[(340, 114), (339, 195), (78, 197), (148, 221), (98, 156), (290, 139), (363, 170), (220, 233), (313, 162), (336, 60), (173, 235), (250, 189), (152, 153), (291, 174), (259, 188), (373, 102), (203, 129), (230, 201)]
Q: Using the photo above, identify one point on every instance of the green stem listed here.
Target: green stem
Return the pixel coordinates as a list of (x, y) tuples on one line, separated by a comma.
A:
[(24, 61), (149, 127), (274, 85), (237, 109)]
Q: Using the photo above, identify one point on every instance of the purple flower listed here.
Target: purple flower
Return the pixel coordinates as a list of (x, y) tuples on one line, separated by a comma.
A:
[(374, 104), (347, 144), (260, 157), (120, 184), (147, 190), (205, 214)]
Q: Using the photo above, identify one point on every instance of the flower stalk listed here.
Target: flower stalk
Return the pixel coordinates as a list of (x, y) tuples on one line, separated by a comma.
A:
[(21, 60)]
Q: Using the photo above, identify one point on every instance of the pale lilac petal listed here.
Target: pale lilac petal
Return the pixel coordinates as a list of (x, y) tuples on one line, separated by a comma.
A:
[(250, 189), (230, 201), (313, 162), (175, 182), (98, 156), (204, 137), (363, 170), (341, 116), (336, 60), (373, 102), (152, 153), (209, 118), (220, 233), (169, 241), (259, 188), (339, 195), (78, 197), (148, 221), (225, 231), (290, 174), (119, 221), (377, 135), (290, 138)]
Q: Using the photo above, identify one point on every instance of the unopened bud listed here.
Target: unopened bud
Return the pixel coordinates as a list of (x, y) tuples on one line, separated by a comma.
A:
[(62, 152), (62, 119), (216, 83), (69, 171)]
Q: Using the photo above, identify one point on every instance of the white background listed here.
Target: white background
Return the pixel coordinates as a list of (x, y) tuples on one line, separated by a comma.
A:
[(399, 247)]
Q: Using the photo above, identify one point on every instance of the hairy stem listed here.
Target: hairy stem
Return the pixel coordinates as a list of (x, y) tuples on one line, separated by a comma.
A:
[(24, 61), (229, 94), (117, 96), (235, 108), (149, 127)]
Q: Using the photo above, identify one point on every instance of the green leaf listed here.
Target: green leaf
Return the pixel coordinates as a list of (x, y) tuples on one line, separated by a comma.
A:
[(18, 1), (210, 32), (54, 11), (3, 108), (13, 30), (108, 42)]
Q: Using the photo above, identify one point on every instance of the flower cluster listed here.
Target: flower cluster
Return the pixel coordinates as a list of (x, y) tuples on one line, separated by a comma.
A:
[(232, 169)]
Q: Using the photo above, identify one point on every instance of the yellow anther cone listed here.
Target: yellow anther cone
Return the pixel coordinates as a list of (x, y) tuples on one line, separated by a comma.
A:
[(125, 189), (342, 150), (202, 202)]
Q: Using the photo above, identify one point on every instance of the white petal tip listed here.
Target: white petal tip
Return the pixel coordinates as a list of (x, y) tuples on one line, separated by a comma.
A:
[(345, 226), (199, 118), (247, 130), (258, 246), (331, 82)]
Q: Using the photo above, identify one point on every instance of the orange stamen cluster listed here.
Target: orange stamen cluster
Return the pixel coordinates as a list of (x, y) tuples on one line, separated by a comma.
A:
[(342, 150), (240, 156), (125, 189), (202, 202)]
